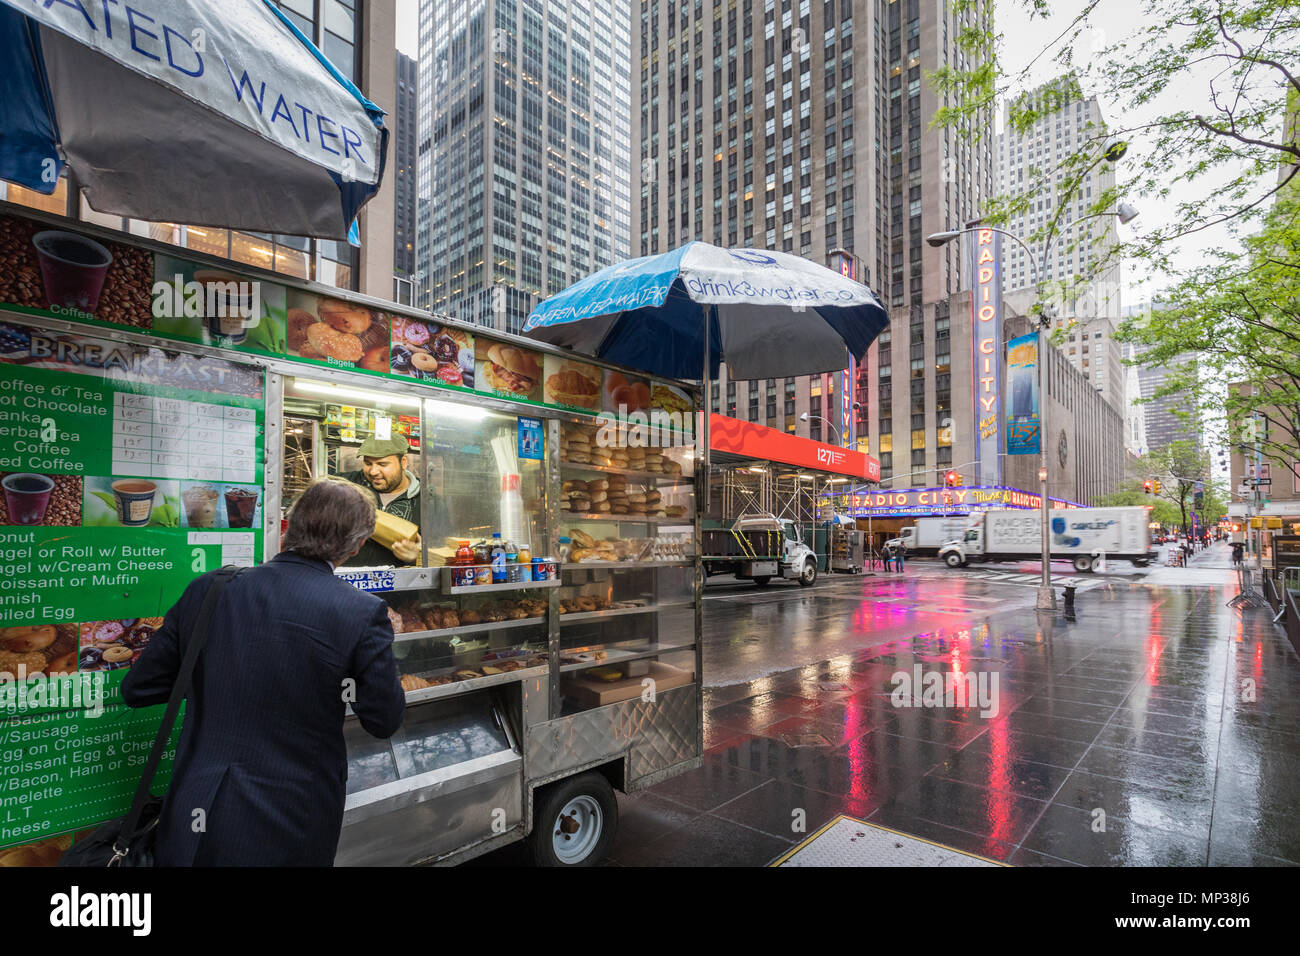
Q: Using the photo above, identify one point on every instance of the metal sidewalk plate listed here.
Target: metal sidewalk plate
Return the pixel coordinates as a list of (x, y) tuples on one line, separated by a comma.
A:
[(846, 841)]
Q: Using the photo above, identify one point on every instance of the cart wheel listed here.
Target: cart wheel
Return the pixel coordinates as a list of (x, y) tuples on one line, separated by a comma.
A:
[(808, 575), (761, 581), (574, 822)]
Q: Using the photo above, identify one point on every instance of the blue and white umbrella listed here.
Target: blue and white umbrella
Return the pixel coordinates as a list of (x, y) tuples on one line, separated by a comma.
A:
[(769, 314), (208, 112)]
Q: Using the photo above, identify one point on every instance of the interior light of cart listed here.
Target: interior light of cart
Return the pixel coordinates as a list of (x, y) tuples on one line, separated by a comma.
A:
[(838, 481), (805, 477), (465, 413), (337, 392)]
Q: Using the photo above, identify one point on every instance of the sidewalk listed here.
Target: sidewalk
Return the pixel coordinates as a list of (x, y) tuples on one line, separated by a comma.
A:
[(1162, 716)]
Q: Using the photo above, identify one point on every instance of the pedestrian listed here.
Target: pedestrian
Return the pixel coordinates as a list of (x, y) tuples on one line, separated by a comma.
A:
[(261, 766), (1238, 553), (899, 555)]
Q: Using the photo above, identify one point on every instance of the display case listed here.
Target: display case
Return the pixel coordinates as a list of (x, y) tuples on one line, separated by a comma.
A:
[(594, 620)]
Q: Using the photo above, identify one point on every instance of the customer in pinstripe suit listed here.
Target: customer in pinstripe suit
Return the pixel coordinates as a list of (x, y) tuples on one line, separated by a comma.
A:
[(261, 767)]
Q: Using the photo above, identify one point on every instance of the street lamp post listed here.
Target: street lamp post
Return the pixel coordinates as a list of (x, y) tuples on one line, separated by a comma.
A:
[(1126, 213)]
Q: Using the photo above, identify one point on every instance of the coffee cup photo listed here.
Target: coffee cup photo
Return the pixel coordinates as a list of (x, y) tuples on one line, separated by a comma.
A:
[(132, 503)]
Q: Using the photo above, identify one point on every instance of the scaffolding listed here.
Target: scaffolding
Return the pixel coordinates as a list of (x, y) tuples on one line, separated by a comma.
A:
[(745, 490)]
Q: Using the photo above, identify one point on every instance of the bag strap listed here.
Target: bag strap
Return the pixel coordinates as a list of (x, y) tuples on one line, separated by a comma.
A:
[(181, 687)]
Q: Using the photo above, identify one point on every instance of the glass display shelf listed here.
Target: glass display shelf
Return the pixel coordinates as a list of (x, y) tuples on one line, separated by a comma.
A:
[(449, 588), (468, 629), (616, 655), (577, 617), (658, 477)]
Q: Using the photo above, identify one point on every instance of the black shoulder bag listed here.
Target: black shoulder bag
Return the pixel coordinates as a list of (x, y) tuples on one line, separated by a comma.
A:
[(129, 840)]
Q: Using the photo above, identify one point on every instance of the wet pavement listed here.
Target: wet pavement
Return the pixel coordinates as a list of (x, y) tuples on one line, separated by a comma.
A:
[(1158, 728)]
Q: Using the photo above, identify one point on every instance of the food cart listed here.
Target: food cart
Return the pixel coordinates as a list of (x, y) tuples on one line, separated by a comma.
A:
[(846, 545), (185, 403)]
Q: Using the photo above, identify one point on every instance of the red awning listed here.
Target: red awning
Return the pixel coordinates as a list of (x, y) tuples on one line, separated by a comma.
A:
[(730, 436)]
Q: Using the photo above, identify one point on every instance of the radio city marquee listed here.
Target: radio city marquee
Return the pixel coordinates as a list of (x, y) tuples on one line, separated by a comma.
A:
[(929, 501), (986, 321)]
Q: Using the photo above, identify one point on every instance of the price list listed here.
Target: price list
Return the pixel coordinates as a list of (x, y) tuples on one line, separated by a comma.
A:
[(158, 437)]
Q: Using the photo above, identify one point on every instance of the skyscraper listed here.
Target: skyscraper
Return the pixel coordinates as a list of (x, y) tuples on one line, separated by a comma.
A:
[(1078, 257), (406, 122), (524, 155), (805, 127)]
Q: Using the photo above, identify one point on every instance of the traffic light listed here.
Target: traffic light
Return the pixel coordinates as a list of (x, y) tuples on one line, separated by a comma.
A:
[(1156, 487), (1146, 486), (951, 480)]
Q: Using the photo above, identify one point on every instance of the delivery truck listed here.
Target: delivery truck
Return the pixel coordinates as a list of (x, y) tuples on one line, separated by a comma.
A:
[(928, 535), (757, 548), (1085, 536)]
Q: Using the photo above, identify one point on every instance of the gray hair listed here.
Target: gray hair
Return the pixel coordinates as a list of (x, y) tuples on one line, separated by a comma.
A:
[(330, 520)]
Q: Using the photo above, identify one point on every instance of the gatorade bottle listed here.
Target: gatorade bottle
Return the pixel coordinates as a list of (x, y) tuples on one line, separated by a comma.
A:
[(499, 571), (464, 561)]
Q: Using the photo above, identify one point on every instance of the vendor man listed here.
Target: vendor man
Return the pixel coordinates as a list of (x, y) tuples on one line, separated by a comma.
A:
[(384, 463)]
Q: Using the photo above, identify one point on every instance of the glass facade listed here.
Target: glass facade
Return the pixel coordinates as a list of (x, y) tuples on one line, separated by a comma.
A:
[(524, 152)]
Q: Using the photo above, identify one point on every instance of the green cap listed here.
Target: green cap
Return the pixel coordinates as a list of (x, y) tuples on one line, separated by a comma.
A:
[(383, 447)]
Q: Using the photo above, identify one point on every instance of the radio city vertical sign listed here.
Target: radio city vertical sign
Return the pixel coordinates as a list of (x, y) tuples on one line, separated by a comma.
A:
[(846, 403), (986, 325)]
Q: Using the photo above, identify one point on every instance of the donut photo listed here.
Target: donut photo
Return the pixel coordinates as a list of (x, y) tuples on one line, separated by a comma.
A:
[(432, 352), (110, 645), (335, 332)]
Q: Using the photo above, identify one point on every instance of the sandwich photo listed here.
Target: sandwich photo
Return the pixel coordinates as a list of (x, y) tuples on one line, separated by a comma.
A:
[(511, 371), (575, 384)]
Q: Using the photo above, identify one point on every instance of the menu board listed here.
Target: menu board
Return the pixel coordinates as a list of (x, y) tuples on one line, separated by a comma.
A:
[(125, 472)]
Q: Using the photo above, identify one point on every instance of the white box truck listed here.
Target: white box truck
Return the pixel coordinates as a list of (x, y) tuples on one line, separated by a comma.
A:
[(928, 535), (1084, 536)]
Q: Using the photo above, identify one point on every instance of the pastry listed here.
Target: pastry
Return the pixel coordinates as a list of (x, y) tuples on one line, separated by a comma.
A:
[(299, 321), (600, 507), (330, 342), (489, 669), (395, 620), (410, 682), (466, 674), (19, 666), (573, 486), (470, 617), (676, 511), (439, 681), (21, 640), (581, 538), (586, 603), (580, 505), (67, 664), (344, 316), (574, 385)]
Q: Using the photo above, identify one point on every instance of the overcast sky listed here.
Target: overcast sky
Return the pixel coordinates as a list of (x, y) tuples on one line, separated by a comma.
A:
[(1023, 40)]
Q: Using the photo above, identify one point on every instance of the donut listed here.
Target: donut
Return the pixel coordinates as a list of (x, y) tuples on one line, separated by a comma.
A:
[(424, 361), (376, 359), (417, 333), (299, 321), (344, 316), (67, 664), (334, 344), (118, 654), (22, 640), (104, 631)]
